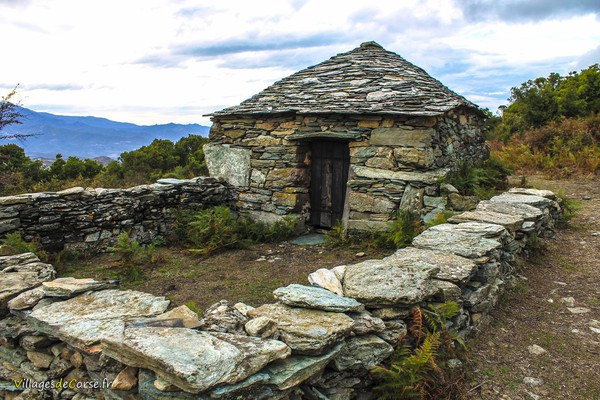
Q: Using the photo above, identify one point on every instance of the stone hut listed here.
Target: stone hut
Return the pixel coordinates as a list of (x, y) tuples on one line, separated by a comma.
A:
[(352, 139)]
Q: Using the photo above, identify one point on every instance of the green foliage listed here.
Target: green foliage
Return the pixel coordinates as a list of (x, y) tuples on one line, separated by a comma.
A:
[(560, 148), (569, 207), (132, 252), (194, 307), (160, 159), (337, 236), (15, 244), (218, 228), (538, 102), (406, 377), (481, 180), (402, 230), (440, 218), (416, 369)]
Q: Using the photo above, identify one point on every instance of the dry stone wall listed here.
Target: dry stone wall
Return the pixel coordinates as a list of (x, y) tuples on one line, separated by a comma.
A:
[(314, 342), (90, 219), (394, 160)]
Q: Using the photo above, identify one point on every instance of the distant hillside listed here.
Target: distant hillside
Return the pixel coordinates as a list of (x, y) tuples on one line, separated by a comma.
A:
[(90, 136)]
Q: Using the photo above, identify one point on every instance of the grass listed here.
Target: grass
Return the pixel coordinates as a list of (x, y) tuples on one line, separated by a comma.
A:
[(233, 274)]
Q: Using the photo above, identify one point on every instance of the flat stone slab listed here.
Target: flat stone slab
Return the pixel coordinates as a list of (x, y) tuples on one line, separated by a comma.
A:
[(379, 283), (536, 201), (296, 369), (309, 240), (176, 182), (451, 238), (87, 319), (452, 267), (510, 222), (19, 274), (525, 211), (306, 331), (68, 287), (429, 177), (193, 360), (534, 192), (315, 297)]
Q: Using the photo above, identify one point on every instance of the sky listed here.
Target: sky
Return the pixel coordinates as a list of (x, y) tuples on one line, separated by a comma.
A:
[(158, 61)]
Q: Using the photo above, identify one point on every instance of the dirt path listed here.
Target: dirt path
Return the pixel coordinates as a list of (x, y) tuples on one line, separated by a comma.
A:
[(536, 312)]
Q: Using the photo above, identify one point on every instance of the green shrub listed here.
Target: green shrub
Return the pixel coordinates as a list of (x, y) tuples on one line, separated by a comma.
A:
[(218, 228), (481, 180), (337, 236), (131, 251), (569, 207), (416, 370), (402, 230), (16, 245)]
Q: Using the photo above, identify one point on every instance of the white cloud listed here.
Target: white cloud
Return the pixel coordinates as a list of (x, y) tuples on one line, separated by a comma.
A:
[(158, 61)]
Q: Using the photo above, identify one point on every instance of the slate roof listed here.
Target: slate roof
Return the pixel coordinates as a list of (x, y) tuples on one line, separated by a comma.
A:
[(368, 79)]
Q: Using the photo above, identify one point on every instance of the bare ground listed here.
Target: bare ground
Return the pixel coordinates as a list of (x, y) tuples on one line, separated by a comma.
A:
[(532, 313), (249, 275)]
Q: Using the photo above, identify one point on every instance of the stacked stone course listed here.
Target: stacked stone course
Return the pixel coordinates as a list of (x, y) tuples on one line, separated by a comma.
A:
[(90, 219), (316, 341)]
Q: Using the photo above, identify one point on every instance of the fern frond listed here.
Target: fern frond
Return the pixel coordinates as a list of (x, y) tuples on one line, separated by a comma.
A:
[(416, 326)]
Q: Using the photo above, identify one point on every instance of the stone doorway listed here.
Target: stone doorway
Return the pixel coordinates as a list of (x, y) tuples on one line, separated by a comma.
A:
[(328, 179)]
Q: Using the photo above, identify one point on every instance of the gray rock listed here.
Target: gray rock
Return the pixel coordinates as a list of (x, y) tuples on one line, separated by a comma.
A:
[(327, 279), (221, 317), (263, 327), (534, 192), (447, 291), (68, 287), (365, 323), (297, 369), (362, 352), (525, 211), (20, 274), (454, 239), (228, 163), (193, 360), (387, 313), (511, 222), (535, 201), (306, 331), (27, 299), (395, 330), (385, 282), (10, 224), (315, 297), (452, 267), (90, 317)]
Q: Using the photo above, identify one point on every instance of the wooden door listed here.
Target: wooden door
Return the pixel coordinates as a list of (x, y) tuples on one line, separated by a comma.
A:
[(329, 174)]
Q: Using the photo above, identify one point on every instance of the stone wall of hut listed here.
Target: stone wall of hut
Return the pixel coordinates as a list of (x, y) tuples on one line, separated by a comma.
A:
[(395, 160)]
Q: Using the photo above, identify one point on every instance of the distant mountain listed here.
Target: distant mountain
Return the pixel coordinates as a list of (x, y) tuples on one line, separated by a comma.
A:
[(90, 136)]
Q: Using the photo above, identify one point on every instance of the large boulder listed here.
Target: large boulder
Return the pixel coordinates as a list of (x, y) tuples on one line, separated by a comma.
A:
[(85, 320), (193, 360), (470, 240), (378, 283), (306, 331), (452, 268)]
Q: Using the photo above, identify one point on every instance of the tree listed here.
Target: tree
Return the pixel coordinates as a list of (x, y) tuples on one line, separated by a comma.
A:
[(10, 115)]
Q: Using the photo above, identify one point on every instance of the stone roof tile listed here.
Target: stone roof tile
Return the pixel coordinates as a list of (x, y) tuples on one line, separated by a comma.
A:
[(368, 79)]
